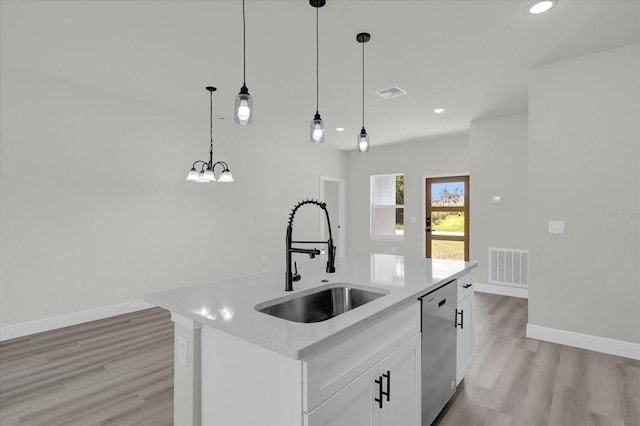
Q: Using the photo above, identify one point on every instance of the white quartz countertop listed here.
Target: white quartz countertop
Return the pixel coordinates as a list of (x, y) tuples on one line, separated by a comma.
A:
[(229, 305)]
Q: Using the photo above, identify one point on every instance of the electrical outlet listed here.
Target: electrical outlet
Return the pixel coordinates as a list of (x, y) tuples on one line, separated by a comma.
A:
[(144, 277), (556, 227)]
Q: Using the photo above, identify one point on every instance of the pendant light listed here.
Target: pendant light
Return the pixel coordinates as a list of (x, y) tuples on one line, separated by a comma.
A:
[(243, 113), (317, 125), (206, 175), (363, 137)]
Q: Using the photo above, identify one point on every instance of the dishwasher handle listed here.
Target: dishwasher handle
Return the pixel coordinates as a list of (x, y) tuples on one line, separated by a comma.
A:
[(461, 323)]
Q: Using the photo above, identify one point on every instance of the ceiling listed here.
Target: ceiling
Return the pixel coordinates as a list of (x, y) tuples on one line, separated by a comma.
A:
[(470, 57)]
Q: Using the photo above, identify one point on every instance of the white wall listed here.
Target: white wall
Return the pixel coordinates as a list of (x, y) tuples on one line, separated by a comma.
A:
[(584, 158), (93, 194), (446, 155), (498, 156)]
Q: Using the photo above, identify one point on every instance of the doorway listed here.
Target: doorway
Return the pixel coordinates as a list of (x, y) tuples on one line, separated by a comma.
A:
[(332, 193), (447, 218)]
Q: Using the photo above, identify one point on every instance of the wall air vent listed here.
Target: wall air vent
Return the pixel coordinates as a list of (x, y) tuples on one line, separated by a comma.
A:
[(508, 266), (391, 92)]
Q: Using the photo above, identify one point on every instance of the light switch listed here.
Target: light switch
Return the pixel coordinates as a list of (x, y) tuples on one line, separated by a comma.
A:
[(182, 350), (556, 227), (496, 199)]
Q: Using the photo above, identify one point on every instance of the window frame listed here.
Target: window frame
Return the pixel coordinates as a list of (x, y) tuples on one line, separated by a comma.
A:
[(372, 207)]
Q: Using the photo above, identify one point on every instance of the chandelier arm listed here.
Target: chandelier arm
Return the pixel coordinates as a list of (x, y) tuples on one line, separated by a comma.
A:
[(222, 163), (199, 161)]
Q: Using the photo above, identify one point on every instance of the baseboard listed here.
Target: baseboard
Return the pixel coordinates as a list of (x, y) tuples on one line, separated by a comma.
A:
[(48, 324), (585, 341), (503, 290)]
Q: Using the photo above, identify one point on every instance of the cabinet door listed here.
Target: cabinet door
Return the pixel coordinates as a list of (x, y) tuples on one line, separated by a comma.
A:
[(466, 349), (351, 406), (402, 406)]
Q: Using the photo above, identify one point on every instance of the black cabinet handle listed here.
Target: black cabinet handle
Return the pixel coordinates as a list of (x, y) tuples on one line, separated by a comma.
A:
[(379, 399), (461, 323), (388, 392), (467, 285)]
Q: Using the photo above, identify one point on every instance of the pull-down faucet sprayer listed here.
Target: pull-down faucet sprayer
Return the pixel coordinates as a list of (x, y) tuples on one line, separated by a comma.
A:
[(291, 277)]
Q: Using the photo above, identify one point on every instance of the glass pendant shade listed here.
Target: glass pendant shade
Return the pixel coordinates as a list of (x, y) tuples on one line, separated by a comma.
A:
[(225, 176), (208, 176), (201, 178), (363, 141), (244, 107), (317, 129), (193, 175)]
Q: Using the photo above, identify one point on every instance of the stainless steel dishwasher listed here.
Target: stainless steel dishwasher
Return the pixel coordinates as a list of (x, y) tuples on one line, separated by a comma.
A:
[(439, 339)]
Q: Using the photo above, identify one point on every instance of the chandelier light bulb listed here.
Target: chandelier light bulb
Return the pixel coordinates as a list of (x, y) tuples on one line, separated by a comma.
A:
[(225, 177), (208, 176), (193, 175)]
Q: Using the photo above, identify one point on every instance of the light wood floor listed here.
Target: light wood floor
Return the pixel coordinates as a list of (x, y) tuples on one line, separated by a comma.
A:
[(119, 371), (520, 381), (116, 371)]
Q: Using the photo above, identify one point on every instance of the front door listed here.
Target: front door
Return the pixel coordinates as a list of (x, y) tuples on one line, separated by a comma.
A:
[(447, 218)]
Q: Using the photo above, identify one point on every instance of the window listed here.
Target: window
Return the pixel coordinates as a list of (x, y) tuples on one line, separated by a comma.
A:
[(387, 206)]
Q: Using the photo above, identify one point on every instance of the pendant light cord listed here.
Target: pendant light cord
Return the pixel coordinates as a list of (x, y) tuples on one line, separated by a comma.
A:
[(317, 63), (362, 85), (244, 48)]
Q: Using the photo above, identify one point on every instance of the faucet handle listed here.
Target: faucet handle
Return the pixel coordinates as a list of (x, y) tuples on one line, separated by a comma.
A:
[(296, 275), (331, 265)]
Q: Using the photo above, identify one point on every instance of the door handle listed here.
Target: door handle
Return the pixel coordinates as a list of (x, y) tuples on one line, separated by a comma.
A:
[(379, 399)]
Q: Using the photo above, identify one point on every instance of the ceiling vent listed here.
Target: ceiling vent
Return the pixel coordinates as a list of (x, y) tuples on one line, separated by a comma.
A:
[(391, 92)]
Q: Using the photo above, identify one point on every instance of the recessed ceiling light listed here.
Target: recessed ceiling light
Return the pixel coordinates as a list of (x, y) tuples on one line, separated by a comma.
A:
[(438, 110), (540, 7), (340, 129)]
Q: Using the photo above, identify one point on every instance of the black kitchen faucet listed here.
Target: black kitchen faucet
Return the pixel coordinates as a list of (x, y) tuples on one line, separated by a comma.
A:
[(290, 277)]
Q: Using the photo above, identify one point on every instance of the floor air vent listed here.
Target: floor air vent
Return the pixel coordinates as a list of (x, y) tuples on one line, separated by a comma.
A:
[(508, 266)]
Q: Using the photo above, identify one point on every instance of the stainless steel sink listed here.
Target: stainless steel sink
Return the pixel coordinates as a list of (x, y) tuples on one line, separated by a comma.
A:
[(321, 304)]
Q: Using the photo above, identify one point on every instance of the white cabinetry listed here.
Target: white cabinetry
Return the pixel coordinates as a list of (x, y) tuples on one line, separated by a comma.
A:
[(465, 325), (386, 394), (339, 384)]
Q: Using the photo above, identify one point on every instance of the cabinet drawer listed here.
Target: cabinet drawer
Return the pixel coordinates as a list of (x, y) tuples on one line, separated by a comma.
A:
[(327, 372), (465, 286)]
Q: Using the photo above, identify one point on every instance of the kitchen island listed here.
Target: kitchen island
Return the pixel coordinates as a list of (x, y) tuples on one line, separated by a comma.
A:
[(235, 365)]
